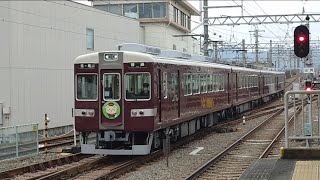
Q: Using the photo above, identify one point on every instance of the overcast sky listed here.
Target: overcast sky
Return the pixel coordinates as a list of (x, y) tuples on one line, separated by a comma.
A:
[(275, 32)]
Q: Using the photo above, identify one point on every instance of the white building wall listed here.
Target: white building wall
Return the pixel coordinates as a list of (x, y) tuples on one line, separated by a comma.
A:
[(161, 35), (39, 42)]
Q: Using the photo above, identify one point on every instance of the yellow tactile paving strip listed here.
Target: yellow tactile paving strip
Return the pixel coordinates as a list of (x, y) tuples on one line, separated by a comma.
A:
[(306, 170)]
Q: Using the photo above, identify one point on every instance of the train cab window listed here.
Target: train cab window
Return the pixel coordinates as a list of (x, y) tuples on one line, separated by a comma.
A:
[(137, 86), (203, 87), (195, 84), (187, 84), (86, 87), (111, 86)]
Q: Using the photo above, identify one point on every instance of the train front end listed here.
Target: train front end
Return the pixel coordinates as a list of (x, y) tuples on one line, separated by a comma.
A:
[(103, 93)]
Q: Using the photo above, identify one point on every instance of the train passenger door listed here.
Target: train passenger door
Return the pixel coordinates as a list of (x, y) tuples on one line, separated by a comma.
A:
[(277, 83), (229, 88), (259, 84), (111, 100), (237, 86), (159, 94)]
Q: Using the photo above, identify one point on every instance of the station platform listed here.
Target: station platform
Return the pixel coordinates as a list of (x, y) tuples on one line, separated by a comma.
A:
[(295, 164)]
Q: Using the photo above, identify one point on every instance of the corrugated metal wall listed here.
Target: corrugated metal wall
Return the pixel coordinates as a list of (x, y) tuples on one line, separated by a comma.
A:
[(39, 42)]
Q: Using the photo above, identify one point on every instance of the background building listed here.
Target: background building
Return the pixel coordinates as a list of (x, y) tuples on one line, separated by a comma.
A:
[(160, 20), (39, 42)]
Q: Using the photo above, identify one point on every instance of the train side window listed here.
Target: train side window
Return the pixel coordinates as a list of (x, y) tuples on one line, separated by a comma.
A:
[(215, 83), (187, 84), (210, 83), (203, 87), (165, 85), (86, 87), (221, 79), (195, 84)]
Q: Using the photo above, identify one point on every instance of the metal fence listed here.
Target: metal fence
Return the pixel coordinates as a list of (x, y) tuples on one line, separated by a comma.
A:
[(305, 127), (20, 140)]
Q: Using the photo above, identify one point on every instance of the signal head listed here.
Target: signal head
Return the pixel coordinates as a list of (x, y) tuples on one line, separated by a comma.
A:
[(308, 86), (301, 41)]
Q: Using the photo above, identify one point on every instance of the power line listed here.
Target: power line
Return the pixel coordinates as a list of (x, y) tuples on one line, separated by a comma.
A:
[(267, 14), (262, 24)]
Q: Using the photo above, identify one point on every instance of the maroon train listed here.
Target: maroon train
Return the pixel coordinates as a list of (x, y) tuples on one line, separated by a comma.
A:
[(131, 97)]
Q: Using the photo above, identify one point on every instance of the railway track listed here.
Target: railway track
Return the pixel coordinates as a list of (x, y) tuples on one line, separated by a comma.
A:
[(233, 161)]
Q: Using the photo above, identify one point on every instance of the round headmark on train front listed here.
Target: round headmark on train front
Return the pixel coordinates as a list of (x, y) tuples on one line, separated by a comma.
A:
[(111, 110)]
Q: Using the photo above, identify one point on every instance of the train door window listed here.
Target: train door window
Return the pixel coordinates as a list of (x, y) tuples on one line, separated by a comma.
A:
[(210, 83), (246, 81), (86, 87), (195, 84), (242, 81), (187, 84), (174, 83), (111, 86), (138, 86), (250, 81), (165, 85), (203, 87)]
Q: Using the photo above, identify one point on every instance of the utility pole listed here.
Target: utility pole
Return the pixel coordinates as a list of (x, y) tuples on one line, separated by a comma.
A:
[(308, 61), (205, 28), (215, 46), (290, 58), (256, 34), (244, 53), (270, 55), (294, 62), (278, 57)]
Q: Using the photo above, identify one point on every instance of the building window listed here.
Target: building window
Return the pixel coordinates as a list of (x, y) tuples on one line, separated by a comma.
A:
[(90, 39), (130, 10), (145, 10), (159, 10), (115, 8)]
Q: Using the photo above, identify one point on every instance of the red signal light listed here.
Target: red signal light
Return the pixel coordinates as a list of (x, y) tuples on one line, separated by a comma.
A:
[(301, 38), (308, 89)]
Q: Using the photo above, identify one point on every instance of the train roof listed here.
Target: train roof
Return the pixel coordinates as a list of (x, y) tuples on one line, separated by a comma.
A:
[(130, 56)]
